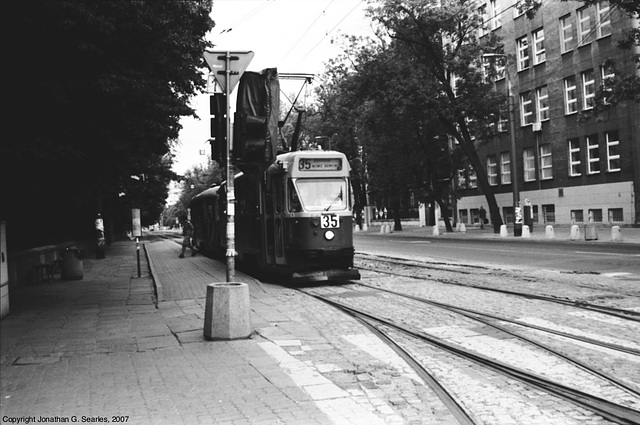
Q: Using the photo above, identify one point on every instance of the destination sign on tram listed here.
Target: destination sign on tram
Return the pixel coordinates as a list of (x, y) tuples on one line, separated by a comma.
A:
[(320, 164)]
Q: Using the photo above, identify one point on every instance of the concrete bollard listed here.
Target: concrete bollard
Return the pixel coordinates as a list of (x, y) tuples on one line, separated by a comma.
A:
[(575, 232), (503, 231), (435, 231), (227, 312), (365, 227), (590, 233), (356, 228), (616, 235), (525, 232), (463, 228), (549, 232), (382, 228)]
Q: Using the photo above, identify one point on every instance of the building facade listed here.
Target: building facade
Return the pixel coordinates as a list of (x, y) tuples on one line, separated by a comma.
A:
[(569, 168)]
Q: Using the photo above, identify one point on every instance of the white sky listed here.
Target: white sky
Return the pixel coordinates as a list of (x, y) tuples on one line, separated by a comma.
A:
[(295, 36)]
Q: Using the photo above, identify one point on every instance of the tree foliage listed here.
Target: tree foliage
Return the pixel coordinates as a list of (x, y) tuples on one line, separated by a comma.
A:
[(399, 94), (96, 90)]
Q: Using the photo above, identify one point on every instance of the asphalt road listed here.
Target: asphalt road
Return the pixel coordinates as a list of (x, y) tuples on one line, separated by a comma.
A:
[(623, 259)]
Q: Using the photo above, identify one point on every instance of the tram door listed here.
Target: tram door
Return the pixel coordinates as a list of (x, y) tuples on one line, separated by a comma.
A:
[(274, 219)]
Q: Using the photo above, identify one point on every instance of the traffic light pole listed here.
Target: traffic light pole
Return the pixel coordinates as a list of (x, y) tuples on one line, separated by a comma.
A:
[(230, 192), (220, 63)]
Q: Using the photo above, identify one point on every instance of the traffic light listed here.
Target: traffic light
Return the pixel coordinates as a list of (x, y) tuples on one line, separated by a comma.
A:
[(255, 135), (218, 111)]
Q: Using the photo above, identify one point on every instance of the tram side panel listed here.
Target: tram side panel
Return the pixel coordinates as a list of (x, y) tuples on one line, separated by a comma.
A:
[(248, 220)]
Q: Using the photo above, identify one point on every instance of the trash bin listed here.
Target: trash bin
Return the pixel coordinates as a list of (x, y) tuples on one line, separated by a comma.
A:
[(72, 267)]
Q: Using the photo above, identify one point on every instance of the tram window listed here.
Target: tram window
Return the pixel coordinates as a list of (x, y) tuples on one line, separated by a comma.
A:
[(294, 199), (323, 194)]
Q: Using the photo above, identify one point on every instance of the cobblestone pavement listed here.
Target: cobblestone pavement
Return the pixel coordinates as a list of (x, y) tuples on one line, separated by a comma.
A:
[(107, 349)]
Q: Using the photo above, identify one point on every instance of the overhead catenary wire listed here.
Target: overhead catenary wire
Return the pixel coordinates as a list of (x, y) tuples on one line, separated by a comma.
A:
[(257, 9), (307, 30), (329, 32)]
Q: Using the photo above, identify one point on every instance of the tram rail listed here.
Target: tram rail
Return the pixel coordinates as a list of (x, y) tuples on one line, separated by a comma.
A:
[(612, 411)]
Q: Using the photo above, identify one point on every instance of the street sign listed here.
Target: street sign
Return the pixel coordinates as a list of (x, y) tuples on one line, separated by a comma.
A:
[(238, 63)]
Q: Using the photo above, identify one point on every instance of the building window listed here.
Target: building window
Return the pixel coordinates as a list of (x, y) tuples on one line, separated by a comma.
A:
[(577, 216), (529, 156), (464, 216), (585, 35), (539, 54), (526, 108), (566, 34), (570, 95), (546, 162), (473, 179), (505, 168), (595, 215), (593, 155), (482, 12), (496, 20), (500, 68), (492, 170), (613, 152), (574, 157), (603, 21), (475, 215), (588, 89), (549, 213), (503, 119), (542, 99), (608, 73), (615, 214), (507, 213), (523, 53)]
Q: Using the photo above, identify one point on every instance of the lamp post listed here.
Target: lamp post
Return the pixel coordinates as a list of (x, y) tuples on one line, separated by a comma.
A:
[(517, 227)]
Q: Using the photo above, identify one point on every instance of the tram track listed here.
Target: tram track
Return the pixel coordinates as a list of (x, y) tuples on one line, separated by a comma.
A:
[(465, 269), (385, 326)]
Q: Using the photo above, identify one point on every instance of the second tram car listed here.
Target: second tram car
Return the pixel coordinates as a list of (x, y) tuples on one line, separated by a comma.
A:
[(294, 221)]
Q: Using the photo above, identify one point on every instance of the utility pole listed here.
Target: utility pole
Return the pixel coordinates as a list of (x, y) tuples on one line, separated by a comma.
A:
[(231, 65)]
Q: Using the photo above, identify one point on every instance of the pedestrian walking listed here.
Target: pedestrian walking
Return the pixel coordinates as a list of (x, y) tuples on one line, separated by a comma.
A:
[(483, 217), (187, 235)]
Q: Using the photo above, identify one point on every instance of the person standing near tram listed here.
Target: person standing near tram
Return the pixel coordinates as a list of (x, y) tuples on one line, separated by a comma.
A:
[(187, 236)]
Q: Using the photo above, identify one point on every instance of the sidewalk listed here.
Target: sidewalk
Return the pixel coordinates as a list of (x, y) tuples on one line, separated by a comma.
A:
[(106, 347), (539, 233)]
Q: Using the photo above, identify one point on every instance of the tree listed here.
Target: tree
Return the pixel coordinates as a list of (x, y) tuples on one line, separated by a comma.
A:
[(96, 91), (442, 39), (380, 112), (195, 180)]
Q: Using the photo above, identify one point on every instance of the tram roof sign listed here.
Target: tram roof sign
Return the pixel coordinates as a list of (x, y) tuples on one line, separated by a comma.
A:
[(238, 63)]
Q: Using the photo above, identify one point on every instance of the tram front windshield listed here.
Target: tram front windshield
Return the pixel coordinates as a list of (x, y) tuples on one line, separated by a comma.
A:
[(320, 194)]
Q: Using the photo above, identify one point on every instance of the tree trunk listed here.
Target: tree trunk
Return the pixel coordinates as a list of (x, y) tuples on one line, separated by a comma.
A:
[(397, 224), (445, 216), (487, 190), (472, 154)]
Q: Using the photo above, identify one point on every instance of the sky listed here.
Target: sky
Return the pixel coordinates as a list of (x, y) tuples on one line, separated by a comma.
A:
[(294, 36)]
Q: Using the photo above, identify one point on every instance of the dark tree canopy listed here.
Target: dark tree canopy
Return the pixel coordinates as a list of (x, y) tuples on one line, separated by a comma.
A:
[(95, 91)]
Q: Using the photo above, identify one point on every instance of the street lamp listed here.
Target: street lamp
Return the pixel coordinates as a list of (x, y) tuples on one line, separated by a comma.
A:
[(517, 227)]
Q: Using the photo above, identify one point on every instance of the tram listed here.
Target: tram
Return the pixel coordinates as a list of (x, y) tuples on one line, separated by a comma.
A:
[(293, 221)]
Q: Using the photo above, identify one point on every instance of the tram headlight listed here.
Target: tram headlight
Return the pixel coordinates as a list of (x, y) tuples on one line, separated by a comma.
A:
[(329, 235)]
